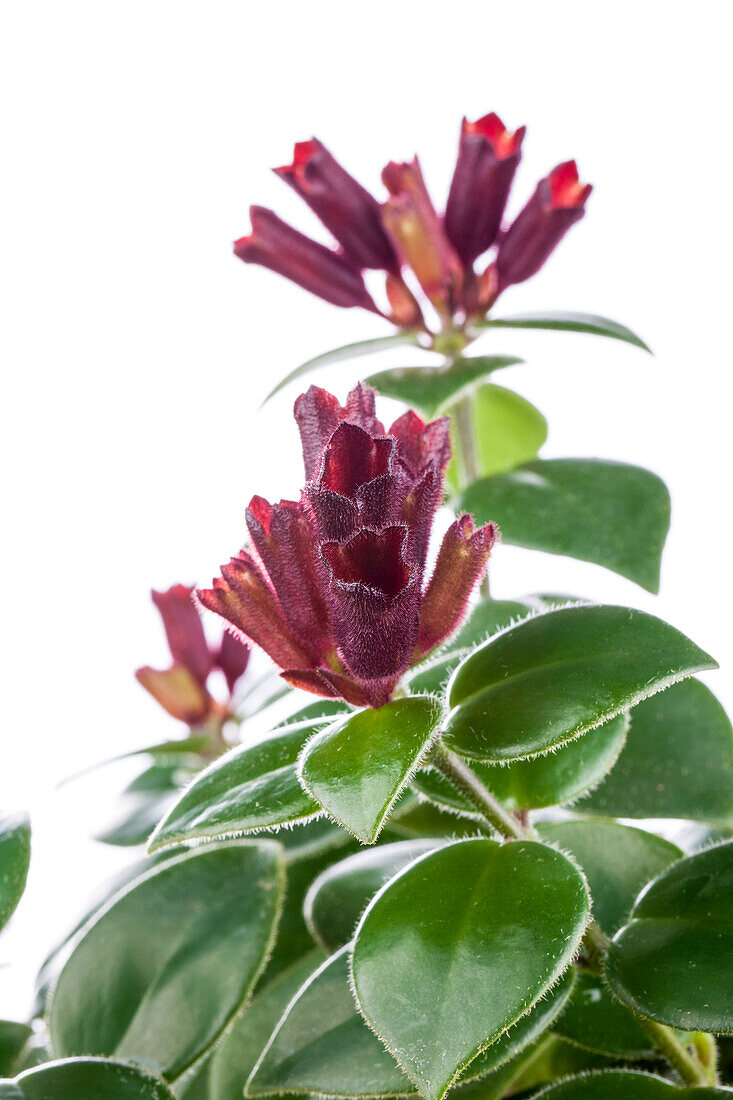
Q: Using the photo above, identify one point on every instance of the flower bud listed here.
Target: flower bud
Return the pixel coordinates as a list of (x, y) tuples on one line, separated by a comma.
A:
[(558, 202), (488, 156), (346, 208), (276, 245)]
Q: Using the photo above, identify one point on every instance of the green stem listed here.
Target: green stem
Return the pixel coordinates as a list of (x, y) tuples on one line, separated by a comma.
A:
[(679, 1056), (466, 436), (462, 777), (690, 1068)]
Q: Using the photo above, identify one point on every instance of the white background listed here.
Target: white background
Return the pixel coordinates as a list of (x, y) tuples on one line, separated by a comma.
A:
[(137, 349)]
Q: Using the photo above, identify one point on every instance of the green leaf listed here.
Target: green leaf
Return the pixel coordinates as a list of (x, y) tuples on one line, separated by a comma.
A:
[(348, 351), (488, 617), (455, 950), (13, 1037), (567, 322), (15, 855), (607, 513), (431, 390), (236, 1057), (166, 943), (160, 751), (596, 1021), (323, 1045), (616, 1084), (10, 1091), (321, 710), (549, 780), (674, 960), (553, 677), (508, 429), (617, 861), (250, 788), (678, 761), (415, 820), (340, 894), (357, 767), (89, 1079)]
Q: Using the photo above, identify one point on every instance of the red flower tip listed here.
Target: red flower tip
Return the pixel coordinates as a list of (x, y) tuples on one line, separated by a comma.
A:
[(504, 143), (566, 190), (303, 153)]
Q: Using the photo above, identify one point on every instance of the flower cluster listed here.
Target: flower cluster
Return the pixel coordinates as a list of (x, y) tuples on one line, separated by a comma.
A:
[(332, 586), (183, 688), (405, 232)]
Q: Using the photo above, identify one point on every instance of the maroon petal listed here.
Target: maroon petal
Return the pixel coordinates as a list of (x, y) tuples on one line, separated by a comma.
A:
[(333, 685), (420, 445), (232, 659), (558, 202), (283, 536), (178, 691), (375, 596), (352, 458), (420, 503), (343, 205), (243, 598), (276, 245), (488, 156), (184, 630), (318, 414), (461, 562)]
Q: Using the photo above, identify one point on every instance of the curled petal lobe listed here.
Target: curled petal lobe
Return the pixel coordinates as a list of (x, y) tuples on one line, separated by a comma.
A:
[(488, 155), (276, 245), (420, 445), (352, 458), (184, 630), (318, 414), (558, 202), (346, 208), (178, 691), (376, 598), (461, 562)]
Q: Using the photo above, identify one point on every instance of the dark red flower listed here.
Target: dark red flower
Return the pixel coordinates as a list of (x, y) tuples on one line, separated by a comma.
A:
[(182, 689), (276, 245), (332, 586), (558, 202), (488, 156), (405, 233), (346, 208)]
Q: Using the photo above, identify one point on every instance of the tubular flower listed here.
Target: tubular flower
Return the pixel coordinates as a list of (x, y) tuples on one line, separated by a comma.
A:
[(404, 233), (332, 586), (182, 689)]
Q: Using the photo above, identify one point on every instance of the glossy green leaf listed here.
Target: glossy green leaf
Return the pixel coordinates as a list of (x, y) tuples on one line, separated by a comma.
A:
[(165, 943), (348, 351), (357, 767), (553, 677), (431, 390), (415, 819), (549, 780), (616, 1084), (488, 617), (508, 429), (673, 961), (567, 322), (141, 807), (161, 751), (596, 1021), (90, 1079), (340, 894), (235, 1058), (255, 786), (13, 1037), (321, 710), (15, 855), (677, 762), (608, 513), (323, 1044), (294, 939), (618, 861), (555, 1058), (460, 930)]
